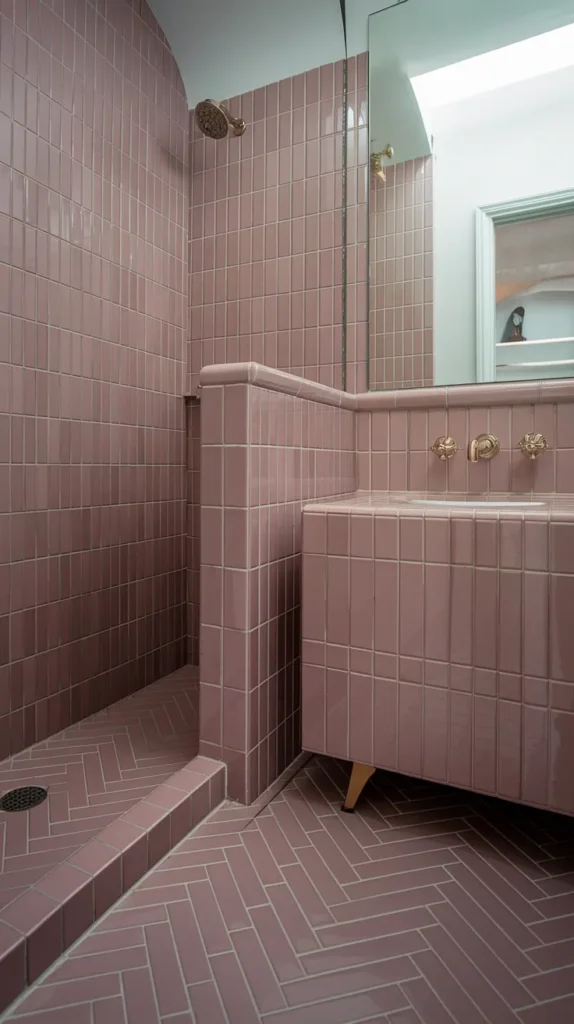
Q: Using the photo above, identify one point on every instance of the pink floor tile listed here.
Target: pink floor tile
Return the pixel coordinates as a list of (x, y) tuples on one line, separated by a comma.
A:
[(427, 906), (121, 754)]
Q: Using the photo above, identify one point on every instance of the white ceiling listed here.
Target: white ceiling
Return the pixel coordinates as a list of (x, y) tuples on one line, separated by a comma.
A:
[(227, 47)]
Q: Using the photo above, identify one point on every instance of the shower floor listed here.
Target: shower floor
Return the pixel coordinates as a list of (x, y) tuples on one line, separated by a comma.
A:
[(124, 786), (94, 772), (427, 906)]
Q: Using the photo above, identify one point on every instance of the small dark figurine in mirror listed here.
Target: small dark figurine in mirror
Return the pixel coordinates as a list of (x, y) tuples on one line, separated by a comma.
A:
[(514, 324)]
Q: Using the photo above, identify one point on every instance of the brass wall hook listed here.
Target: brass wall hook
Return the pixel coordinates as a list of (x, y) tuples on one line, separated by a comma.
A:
[(444, 448), (377, 165), (533, 445)]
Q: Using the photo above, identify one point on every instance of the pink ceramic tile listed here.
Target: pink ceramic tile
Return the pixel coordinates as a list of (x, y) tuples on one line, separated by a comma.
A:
[(338, 534), (362, 590), (235, 475), (12, 964), (510, 545), (362, 536), (410, 726), (411, 614), (437, 612), (460, 740), (315, 534), (385, 712), (212, 535), (212, 416), (561, 736), (97, 355), (348, 874), (562, 556), (437, 540), (337, 713), (485, 617), (510, 622), (313, 597), (411, 539), (314, 708), (236, 414), (435, 733), (536, 641), (386, 537), (535, 755), (386, 606), (338, 587), (561, 641), (462, 541), (486, 542), (509, 728)]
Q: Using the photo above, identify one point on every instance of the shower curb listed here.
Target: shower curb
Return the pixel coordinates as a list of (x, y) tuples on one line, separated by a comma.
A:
[(57, 910)]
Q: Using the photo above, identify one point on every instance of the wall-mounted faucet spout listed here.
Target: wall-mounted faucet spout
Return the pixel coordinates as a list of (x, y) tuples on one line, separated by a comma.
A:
[(483, 446)]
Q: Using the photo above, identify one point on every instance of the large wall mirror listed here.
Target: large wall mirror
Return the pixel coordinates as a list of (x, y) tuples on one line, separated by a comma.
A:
[(471, 198)]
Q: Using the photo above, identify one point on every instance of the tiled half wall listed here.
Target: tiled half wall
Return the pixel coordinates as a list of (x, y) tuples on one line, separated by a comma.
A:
[(264, 452), (93, 317)]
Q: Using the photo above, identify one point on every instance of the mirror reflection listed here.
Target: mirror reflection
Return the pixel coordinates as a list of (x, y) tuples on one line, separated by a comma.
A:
[(534, 293), (471, 199)]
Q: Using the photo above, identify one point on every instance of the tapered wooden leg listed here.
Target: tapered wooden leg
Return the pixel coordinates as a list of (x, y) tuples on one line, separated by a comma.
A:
[(359, 777)]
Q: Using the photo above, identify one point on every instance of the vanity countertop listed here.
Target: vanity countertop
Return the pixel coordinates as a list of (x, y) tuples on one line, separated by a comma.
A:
[(421, 503)]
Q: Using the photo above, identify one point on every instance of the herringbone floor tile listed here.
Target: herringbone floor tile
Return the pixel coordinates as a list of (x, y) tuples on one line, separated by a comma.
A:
[(94, 772), (427, 906)]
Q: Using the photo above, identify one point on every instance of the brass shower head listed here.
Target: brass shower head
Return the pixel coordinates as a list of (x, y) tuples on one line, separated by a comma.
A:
[(214, 120)]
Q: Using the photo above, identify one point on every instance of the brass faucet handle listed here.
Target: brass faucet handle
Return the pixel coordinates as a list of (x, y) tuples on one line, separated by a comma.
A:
[(444, 448), (533, 445)]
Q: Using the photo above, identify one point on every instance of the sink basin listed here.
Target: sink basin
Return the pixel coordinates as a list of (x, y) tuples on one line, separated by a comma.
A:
[(448, 503)]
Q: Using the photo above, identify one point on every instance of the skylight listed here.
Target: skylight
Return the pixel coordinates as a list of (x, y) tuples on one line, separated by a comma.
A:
[(495, 69)]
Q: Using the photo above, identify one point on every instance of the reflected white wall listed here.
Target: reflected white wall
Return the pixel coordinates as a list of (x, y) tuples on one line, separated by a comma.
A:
[(502, 145)]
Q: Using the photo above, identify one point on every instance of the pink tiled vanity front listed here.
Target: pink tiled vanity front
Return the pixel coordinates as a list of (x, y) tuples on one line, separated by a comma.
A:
[(438, 641)]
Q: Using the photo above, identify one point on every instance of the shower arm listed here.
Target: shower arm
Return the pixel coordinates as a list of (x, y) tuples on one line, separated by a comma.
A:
[(237, 123)]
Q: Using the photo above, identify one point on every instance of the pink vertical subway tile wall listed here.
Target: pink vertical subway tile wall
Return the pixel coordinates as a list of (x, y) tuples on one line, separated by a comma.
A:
[(264, 453), (266, 232), (401, 276), (440, 644), (93, 317), (393, 444)]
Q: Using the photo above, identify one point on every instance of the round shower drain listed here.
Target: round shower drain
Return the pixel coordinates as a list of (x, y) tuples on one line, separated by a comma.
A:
[(23, 799)]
